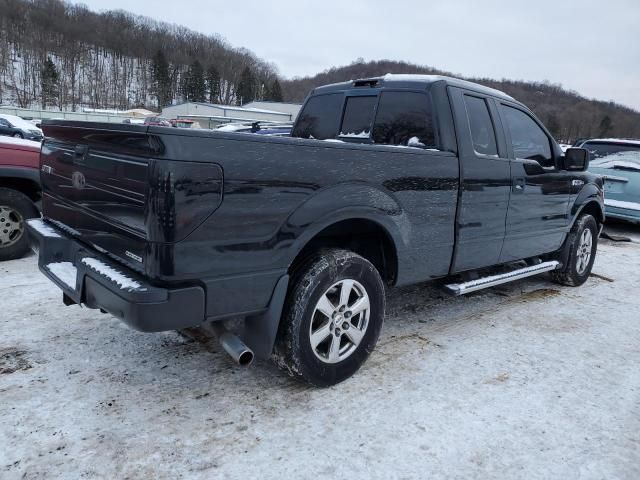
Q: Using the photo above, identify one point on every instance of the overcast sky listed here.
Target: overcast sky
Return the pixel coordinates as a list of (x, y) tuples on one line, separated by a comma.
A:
[(589, 46)]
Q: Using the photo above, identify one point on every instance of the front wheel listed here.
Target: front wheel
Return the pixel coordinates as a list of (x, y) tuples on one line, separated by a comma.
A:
[(18, 135), (582, 245), (333, 317)]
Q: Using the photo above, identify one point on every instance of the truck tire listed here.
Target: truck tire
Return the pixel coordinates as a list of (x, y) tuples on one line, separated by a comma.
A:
[(332, 318), (15, 209), (582, 243)]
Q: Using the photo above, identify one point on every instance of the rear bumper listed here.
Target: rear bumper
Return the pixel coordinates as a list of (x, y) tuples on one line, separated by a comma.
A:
[(94, 280)]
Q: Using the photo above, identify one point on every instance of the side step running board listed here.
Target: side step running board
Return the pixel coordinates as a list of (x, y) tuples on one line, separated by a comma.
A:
[(486, 282)]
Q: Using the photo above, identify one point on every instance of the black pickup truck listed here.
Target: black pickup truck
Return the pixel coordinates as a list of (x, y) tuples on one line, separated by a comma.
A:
[(392, 180)]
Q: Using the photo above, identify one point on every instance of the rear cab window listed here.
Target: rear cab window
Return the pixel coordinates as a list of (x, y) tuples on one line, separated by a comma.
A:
[(358, 116), (404, 119), (396, 118), (320, 117)]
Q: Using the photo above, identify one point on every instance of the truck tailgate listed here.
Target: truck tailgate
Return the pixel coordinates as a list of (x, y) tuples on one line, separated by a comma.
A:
[(111, 187)]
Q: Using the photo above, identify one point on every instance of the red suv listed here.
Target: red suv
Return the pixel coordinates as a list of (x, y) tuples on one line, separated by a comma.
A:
[(19, 193)]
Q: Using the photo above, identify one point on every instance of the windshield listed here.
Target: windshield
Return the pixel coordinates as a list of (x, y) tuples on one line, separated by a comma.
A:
[(17, 122), (629, 160), (602, 149)]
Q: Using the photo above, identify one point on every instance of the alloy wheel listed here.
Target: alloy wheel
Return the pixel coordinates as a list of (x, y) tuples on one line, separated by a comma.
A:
[(11, 226), (584, 251), (339, 322)]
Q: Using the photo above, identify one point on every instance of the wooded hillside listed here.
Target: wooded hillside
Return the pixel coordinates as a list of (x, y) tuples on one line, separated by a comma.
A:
[(63, 56), (568, 115), (59, 55)]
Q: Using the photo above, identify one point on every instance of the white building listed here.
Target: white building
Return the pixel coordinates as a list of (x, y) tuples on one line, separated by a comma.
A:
[(290, 108), (211, 114)]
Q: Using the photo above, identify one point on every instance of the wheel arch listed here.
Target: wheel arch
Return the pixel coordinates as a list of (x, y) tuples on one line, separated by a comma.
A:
[(354, 215), (590, 201), (24, 180), (366, 236)]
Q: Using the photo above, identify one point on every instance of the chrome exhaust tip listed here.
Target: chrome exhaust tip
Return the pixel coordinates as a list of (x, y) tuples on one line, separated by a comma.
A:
[(236, 348)]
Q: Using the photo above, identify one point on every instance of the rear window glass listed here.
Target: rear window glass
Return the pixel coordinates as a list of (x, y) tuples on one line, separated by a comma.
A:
[(602, 149), (404, 118), (483, 136), (358, 116), (320, 117)]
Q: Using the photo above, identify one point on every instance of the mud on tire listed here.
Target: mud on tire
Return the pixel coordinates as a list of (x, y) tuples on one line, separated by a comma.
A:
[(578, 267), (332, 319)]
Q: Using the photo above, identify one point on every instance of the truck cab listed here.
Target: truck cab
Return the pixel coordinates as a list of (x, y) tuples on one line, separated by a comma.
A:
[(513, 194)]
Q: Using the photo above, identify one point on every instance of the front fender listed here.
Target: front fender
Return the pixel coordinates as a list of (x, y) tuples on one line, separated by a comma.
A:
[(590, 193), (26, 173)]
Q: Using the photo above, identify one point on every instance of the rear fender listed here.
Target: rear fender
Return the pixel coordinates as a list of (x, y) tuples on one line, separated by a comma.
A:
[(349, 202)]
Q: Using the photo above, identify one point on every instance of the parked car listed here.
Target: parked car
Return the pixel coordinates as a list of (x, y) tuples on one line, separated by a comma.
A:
[(157, 121), (600, 147), (13, 126), (618, 161), (274, 129), (133, 121), (385, 181), (183, 123), (19, 193)]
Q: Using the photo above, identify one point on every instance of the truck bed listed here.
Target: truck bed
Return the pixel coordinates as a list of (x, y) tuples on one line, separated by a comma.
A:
[(231, 210)]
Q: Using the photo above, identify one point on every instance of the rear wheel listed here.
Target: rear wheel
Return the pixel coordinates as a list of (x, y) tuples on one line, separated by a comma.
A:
[(332, 319), (15, 209), (18, 135), (582, 243)]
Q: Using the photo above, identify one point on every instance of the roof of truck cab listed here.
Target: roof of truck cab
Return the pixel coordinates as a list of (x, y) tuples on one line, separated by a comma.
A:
[(405, 80)]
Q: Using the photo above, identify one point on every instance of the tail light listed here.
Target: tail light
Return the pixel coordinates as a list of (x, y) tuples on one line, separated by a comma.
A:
[(181, 196)]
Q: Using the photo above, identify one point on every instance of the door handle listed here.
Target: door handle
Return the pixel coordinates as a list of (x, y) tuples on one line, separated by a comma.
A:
[(80, 153), (518, 185)]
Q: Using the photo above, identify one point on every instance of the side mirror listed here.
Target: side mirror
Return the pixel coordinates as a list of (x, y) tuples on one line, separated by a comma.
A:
[(576, 159)]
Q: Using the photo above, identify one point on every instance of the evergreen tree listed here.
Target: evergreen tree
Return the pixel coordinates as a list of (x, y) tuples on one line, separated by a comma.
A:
[(553, 125), (274, 92), (161, 79), (246, 89), (213, 84), (605, 126), (49, 83), (194, 88)]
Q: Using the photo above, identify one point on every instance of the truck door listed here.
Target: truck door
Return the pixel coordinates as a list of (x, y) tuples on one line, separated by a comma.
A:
[(538, 213), (485, 181)]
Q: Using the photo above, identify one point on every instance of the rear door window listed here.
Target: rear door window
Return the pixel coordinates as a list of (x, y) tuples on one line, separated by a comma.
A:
[(320, 117), (483, 135), (527, 138), (404, 118), (358, 117)]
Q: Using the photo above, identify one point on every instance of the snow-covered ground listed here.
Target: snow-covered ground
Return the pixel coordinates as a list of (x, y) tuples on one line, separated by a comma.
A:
[(523, 381)]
